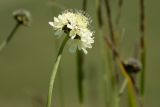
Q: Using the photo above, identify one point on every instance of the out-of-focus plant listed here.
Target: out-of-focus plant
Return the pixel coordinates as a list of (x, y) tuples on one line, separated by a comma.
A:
[(22, 17)]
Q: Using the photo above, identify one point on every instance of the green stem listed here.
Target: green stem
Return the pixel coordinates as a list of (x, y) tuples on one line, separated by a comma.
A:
[(80, 75), (12, 32), (110, 24), (115, 73), (123, 87), (80, 59), (143, 45), (99, 13), (10, 36), (143, 60), (132, 97), (84, 5), (120, 4), (54, 71)]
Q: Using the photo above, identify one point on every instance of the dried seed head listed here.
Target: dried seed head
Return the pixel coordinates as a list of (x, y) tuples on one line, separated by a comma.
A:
[(23, 17), (132, 65)]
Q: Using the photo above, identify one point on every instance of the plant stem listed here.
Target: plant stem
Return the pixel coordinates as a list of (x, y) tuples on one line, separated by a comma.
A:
[(80, 59), (54, 71), (143, 46), (120, 4), (84, 5), (123, 87), (108, 9), (99, 13), (131, 88), (80, 75), (10, 36), (112, 38), (115, 73), (12, 32)]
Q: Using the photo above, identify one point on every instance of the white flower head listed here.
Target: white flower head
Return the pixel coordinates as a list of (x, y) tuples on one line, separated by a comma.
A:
[(76, 25)]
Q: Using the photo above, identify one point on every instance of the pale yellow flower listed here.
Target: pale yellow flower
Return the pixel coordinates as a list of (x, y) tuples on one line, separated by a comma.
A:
[(75, 24)]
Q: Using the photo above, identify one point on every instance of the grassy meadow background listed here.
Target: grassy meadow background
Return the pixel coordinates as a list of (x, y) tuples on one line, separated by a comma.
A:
[(26, 62)]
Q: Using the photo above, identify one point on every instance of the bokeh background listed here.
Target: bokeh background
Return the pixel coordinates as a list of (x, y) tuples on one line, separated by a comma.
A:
[(26, 62)]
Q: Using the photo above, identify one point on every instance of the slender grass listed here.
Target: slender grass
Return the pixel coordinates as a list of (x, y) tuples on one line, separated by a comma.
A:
[(112, 37), (143, 46), (99, 13), (54, 72), (120, 4), (103, 56), (115, 73), (131, 88), (10, 36), (122, 89), (110, 24)]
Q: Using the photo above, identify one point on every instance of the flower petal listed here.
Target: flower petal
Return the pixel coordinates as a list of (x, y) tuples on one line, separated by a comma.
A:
[(72, 34), (51, 23), (84, 50), (56, 19)]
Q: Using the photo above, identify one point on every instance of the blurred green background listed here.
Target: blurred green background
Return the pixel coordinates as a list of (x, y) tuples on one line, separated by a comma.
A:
[(26, 62)]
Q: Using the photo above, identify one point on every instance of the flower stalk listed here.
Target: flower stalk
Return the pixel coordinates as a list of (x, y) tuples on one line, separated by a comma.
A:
[(76, 25), (10, 36), (13, 32), (80, 75), (54, 71), (143, 46), (80, 61), (22, 17)]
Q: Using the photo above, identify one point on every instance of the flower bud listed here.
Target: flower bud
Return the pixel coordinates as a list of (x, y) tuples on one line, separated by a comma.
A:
[(23, 17), (132, 65)]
